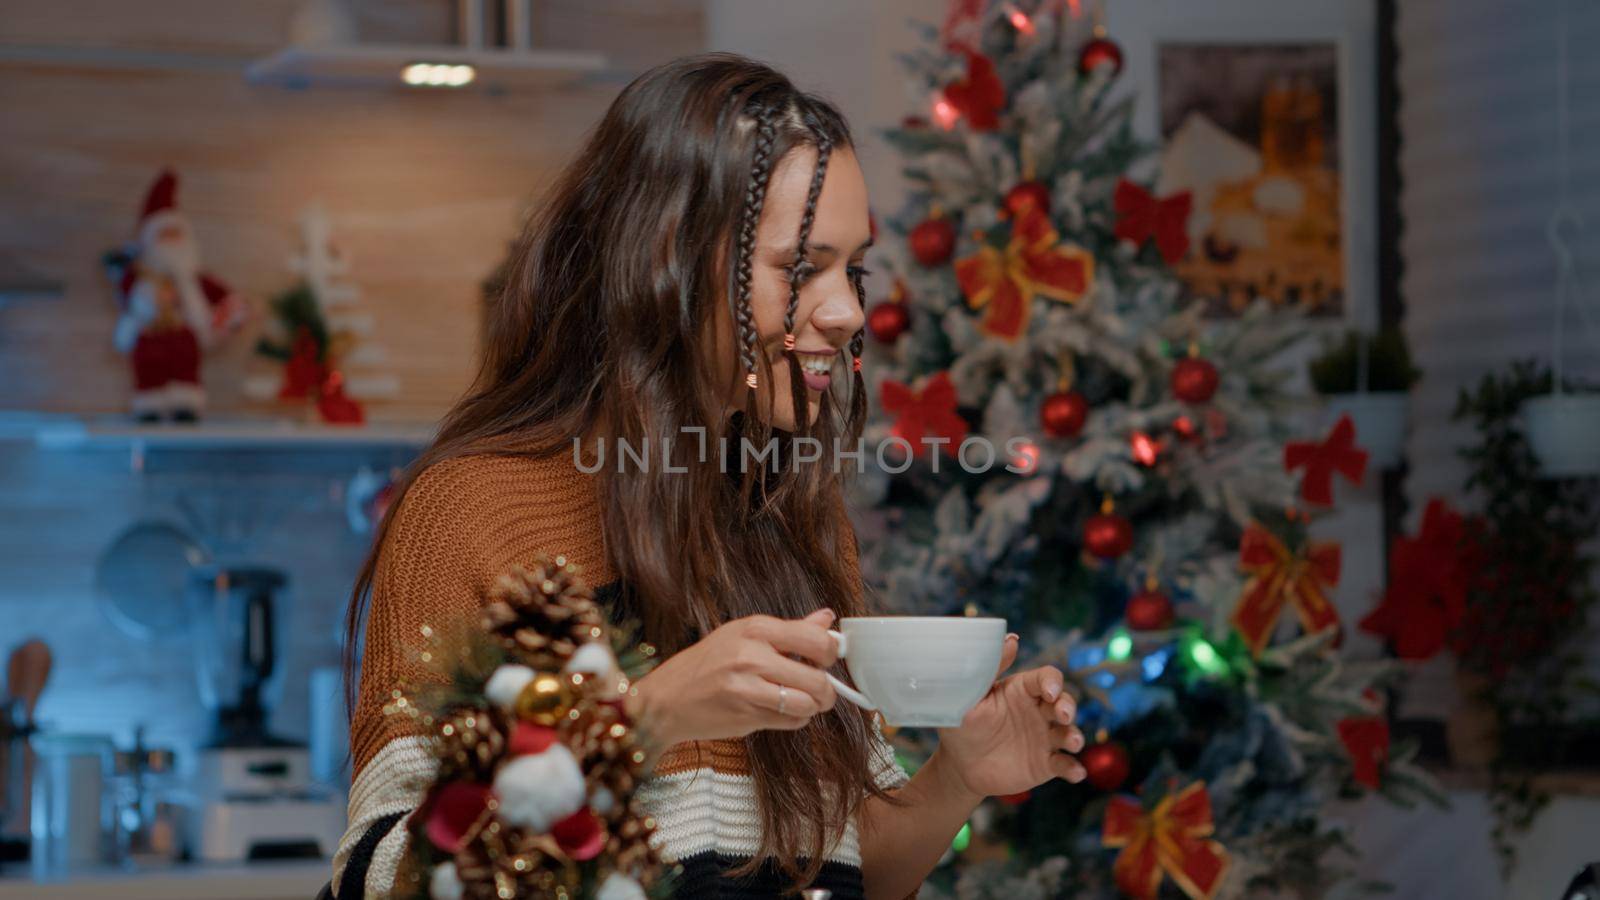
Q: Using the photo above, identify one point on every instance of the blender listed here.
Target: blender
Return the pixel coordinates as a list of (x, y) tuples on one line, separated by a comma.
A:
[(257, 797)]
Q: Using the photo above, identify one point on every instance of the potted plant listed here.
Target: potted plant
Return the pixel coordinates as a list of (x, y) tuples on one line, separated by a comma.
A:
[(1563, 428), (1369, 377)]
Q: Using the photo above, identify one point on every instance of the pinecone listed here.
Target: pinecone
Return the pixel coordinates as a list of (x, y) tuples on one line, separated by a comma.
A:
[(471, 741), (543, 612), (509, 862)]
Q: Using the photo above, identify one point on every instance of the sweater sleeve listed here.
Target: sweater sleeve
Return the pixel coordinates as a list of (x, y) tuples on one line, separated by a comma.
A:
[(428, 572)]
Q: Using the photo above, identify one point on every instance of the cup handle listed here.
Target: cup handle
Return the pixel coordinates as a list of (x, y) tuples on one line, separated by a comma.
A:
[(842, 689)]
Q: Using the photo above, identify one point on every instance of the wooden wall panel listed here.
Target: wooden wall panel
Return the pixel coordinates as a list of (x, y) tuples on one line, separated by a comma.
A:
[(424, 190)]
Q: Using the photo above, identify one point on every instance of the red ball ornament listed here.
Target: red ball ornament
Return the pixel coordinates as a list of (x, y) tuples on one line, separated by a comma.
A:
[(1149, 610), (933, 241), (1107, 765), (1107, 535), (1097, 53), (1026, 195), (1016, 799), (1063, 414), (1194, 380), (888, 320)]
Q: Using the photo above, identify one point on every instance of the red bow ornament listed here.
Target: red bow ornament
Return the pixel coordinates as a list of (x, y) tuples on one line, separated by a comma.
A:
[(1140, 216), (304, 371), (928, 412), (1335, 453), (1429, 577), (1035, 261), (1366, 738), (335, 406), (981, 95), (1280, 578), (1173, 839)]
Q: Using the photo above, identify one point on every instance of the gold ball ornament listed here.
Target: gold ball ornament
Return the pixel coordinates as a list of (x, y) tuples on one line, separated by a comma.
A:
[(545, 700)]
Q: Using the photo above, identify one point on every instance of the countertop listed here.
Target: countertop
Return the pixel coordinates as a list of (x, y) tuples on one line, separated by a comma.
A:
[(287, 880)]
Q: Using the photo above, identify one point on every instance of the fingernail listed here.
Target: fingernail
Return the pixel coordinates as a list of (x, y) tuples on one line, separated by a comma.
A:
[(1076, 775), (1012, 636), (1052, 691)]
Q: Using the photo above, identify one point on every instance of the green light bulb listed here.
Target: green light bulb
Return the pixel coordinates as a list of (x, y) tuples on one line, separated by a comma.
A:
[(1120, 646), (963, 838), (1205, 657)]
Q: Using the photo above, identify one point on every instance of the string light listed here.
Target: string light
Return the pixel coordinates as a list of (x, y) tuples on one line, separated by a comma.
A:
[(1204, 657), (1026, 458), (1144, 449), (1120, 646), (963, 838), (1019, 19), (437, 75), (945, 112)]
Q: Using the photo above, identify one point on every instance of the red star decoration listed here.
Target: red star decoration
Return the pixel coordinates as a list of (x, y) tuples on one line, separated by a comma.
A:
[(930, 411), (1335, 453)]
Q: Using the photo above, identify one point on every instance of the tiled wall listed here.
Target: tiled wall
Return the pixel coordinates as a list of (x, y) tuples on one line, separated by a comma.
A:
[(60, 510)]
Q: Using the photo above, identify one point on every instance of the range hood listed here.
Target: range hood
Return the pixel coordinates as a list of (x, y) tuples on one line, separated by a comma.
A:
[(324, 53)]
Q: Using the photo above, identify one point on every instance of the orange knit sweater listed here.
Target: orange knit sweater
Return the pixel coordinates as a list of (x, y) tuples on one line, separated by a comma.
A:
[(462, 523)]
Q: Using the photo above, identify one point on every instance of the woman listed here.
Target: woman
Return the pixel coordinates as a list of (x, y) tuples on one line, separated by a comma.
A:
[(694, 275)]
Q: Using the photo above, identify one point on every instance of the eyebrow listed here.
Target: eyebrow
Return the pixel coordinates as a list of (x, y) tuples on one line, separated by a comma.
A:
[(790, 248)]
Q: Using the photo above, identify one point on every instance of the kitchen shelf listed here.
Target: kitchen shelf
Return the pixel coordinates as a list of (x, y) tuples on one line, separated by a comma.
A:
[(65, 432), (369, 65)]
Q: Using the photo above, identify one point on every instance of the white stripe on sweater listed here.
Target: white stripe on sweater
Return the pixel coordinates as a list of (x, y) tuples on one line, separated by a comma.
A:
[(395, 780)]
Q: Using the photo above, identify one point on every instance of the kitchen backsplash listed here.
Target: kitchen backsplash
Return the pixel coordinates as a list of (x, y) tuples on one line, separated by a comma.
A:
[(64, 507)]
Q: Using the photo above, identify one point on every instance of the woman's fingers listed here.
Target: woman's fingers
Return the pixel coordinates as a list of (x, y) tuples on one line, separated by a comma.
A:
[(1064, 766), (1044, 683), (806, 637), (1066, 737), (1008, 654), (809, 682), (1064, 710)]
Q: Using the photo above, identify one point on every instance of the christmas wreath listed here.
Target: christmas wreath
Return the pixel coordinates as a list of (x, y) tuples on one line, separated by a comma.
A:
[(538, 758)]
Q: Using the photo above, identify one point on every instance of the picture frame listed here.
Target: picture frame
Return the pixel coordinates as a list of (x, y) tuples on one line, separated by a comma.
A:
[(1345, 32)]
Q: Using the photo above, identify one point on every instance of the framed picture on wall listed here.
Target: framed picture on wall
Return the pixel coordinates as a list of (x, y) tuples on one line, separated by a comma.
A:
[(1253, 131)]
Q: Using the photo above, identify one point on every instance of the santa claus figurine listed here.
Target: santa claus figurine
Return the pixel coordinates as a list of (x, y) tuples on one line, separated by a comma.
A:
[(172, 312)]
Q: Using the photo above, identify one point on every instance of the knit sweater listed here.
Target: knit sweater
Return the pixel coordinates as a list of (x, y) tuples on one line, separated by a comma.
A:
[(463, 522)]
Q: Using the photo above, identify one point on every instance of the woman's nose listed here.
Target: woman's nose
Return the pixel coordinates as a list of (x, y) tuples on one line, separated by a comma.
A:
[(839, 315)]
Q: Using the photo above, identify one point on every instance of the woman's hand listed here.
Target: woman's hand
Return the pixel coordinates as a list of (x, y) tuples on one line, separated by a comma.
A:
[(1009, 742), (727, 684)]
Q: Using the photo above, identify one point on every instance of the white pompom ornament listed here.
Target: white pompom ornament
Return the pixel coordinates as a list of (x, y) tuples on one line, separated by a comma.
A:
[(593, 658), (445, 883), (618, 886), (539, 789), (506, 683)]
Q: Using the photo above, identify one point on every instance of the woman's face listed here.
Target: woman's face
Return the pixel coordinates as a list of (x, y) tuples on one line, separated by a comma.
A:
[(829, 312)]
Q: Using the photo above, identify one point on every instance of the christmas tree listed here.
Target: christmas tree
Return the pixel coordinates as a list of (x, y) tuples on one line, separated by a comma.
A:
[(1146, 525)]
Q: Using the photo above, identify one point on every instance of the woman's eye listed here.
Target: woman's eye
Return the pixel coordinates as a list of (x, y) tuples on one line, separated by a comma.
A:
[(859, 271), (800, 271)]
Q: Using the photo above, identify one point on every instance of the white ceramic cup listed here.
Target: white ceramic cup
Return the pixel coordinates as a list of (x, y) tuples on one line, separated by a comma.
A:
[(919, 671)]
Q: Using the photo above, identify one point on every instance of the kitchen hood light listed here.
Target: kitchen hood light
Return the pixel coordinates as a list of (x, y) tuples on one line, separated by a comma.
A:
[(437, 75)]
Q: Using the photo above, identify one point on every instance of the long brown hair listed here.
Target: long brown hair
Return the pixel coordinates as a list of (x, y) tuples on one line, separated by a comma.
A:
[(604, 329)]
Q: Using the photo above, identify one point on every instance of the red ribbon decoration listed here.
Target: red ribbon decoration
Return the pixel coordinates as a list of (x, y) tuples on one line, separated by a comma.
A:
[(1174, 838), (1367, 740), (1279, 578), (931, 410), (304, 372), (1035, 261), (1430, 575), (1335, 453), (1140, 216), (335, 406), (981, 95)]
